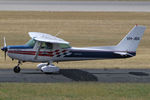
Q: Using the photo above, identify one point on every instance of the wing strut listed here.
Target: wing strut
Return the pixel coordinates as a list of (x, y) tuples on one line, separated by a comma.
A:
[(38, 50)]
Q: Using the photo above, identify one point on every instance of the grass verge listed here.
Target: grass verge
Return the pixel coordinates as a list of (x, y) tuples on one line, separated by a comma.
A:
[(74, 91)]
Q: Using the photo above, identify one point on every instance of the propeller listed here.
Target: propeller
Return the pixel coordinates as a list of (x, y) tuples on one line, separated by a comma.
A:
[(5, 42), (4, 48)]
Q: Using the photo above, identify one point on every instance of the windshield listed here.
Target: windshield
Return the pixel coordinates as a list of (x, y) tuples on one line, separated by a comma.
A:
[(31, 43)]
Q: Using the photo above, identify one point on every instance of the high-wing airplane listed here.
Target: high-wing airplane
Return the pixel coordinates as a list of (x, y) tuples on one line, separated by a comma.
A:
[(47, 49)]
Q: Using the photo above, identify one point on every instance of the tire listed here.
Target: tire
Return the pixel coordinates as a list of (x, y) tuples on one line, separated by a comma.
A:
[(17, 69)]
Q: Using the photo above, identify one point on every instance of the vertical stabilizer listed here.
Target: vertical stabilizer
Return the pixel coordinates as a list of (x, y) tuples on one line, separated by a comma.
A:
[(131, 41)]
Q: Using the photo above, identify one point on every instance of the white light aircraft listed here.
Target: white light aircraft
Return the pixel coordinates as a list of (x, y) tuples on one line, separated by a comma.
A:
[(47, 49)]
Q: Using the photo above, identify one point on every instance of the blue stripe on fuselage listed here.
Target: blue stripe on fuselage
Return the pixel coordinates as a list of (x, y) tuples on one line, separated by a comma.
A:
[(19, 47), (98, 54)]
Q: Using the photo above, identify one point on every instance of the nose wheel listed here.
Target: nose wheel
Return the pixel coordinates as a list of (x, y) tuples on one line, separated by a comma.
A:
[(17, 69)]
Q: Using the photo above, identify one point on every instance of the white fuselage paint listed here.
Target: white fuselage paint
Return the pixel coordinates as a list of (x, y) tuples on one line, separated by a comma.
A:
[(26, 55)]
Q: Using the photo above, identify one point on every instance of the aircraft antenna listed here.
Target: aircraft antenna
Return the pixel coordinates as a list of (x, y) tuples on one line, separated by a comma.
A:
[(58, 33)]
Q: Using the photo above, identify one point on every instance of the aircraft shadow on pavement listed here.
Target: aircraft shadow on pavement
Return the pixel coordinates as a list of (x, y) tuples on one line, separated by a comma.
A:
[(139, 73), (98, 75), (78, 75), (85, 74), (73, 74)]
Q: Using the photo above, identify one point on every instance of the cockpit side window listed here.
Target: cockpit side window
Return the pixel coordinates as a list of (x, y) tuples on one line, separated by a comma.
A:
[(46, 45), (31, 43)]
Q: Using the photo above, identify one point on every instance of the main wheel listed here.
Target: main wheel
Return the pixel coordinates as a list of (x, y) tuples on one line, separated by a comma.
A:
[(17, 69)]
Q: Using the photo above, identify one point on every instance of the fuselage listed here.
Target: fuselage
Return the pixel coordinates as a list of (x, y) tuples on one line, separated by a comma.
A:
[(47, 49), (26, 53)]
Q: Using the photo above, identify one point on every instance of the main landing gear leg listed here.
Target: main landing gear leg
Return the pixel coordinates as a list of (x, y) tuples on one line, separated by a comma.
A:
[(17, 68)]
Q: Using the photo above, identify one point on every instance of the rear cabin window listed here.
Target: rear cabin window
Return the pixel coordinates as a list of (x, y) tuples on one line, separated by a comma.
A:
[(64, 46), (31, 43)]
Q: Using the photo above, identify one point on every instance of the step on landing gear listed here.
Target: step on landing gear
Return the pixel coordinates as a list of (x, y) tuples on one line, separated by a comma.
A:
[(17, 69)]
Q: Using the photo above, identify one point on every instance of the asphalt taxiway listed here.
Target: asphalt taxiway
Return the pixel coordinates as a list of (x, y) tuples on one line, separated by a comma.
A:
[(77, 75)]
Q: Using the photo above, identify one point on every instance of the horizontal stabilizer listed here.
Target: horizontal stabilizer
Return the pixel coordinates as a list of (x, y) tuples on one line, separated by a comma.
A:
[(124, 53)]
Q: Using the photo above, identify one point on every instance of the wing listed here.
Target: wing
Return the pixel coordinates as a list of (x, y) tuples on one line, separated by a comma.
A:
[(43, 37)]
